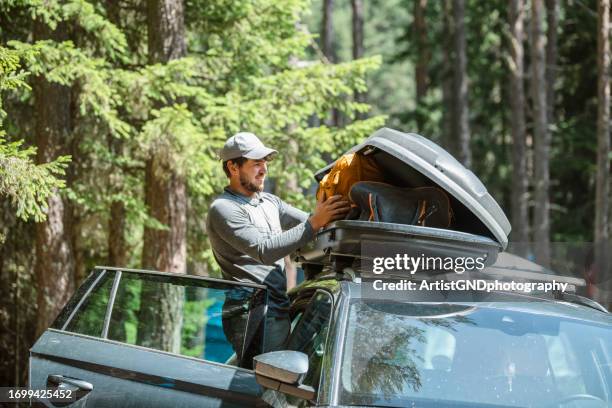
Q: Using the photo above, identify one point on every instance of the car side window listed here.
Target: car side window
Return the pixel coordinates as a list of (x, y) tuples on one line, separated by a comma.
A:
[(207, 319), (310, 335), (92, 311)]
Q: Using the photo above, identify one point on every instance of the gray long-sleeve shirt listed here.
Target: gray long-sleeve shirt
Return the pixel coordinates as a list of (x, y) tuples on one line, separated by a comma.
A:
[(249, 244)]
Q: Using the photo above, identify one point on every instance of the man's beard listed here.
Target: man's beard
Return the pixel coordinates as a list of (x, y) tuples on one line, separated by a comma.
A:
[(248, 186)]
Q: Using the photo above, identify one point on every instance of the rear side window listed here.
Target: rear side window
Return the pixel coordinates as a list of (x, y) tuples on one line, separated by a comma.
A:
[(94, 280), (92, 311), (207, 319)]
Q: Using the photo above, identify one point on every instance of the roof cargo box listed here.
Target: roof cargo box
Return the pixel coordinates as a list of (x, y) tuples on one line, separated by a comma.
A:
[(408, 160)]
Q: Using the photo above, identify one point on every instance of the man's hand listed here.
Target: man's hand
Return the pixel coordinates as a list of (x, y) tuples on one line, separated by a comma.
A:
[(334, 208)]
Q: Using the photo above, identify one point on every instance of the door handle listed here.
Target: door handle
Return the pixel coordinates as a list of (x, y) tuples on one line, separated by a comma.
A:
[(59, 380), (78, 388)]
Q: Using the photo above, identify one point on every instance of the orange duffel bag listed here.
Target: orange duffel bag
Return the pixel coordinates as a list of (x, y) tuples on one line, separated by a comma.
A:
[(348, 170)]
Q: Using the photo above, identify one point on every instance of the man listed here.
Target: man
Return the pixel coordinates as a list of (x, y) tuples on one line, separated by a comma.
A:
[(250, 234)]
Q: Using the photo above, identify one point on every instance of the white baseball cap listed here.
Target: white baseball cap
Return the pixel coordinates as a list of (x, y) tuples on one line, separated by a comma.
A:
[(244, 144)]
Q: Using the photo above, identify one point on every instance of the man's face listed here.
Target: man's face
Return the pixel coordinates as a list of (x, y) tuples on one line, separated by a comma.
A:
[(252, 175)]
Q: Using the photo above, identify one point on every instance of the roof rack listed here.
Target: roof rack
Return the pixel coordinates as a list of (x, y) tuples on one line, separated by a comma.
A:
[(346, 241)]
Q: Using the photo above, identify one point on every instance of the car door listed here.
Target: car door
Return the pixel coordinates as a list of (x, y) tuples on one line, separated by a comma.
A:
[(311, 323), (148, 339)]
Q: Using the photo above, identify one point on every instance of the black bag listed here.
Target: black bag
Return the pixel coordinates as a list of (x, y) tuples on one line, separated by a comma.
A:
[(382, 202)]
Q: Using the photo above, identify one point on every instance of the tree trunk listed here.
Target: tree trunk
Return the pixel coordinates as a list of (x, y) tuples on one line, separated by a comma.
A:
[(199, 268), (357, 7), (520, 198), (166, 199), (166, 30), (602, 190), (552, 17), (55, 262), (74, 212), (448, 102), (17, 296), (165, 189), (117, 245), (422, 62), (542, 137), (461, 125), (163, 250), (327, 46), (327, 31)]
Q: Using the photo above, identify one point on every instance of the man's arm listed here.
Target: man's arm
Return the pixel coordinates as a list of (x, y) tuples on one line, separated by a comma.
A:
[(326, 211), (233, 224), (289, 215)]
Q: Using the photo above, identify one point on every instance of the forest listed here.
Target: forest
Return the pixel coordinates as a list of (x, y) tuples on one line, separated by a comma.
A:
[(112, 113)]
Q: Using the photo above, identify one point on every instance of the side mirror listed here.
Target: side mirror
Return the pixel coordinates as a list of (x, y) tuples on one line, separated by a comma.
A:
[(283, 371)]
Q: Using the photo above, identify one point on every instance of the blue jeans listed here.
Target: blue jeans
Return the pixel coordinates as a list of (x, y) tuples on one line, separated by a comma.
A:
[(235, 318)]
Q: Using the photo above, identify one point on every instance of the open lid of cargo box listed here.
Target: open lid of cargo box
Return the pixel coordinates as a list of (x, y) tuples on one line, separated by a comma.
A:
[(410, 160)]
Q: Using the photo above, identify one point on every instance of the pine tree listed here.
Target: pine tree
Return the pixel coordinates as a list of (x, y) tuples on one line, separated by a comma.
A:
[(421, 68), (520, 214), (602, 189), (461, 125), (55, 258), (541, 219)]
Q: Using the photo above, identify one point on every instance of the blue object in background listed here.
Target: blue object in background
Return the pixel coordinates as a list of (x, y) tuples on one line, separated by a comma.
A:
[(216, 348)]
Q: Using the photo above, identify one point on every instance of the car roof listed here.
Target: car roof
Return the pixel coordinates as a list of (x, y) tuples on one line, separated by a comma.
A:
[(564, 305)]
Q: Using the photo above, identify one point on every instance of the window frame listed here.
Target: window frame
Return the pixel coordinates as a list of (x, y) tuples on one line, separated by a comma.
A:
[(63, 321)]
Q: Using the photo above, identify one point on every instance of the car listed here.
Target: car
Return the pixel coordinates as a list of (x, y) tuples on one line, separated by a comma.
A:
[(138, 338), (505, 350)]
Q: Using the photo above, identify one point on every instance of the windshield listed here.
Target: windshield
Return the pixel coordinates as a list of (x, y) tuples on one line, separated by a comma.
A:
[(475, 355)]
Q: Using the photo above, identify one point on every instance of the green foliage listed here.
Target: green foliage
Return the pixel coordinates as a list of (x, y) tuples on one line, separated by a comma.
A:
[(247, 68), (252, 65), (80, 12), (574, 141), (391, 87), (247, 37), (389, 31), (10, 75), (27, 185), (65, 64)]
